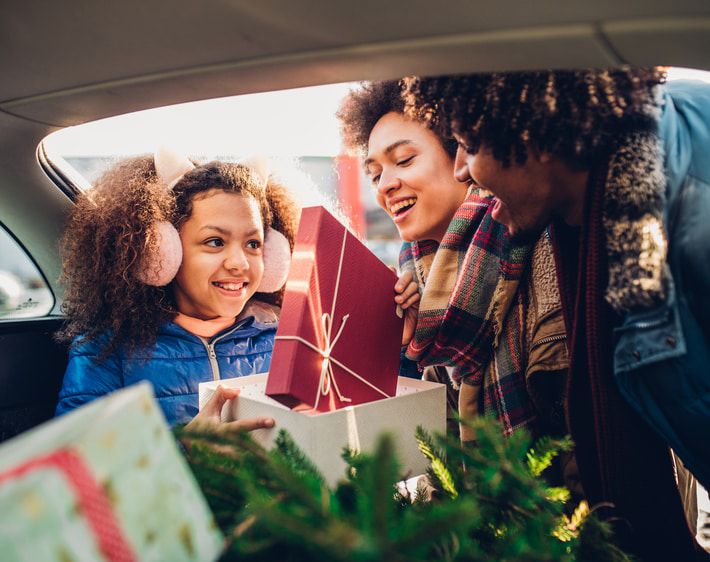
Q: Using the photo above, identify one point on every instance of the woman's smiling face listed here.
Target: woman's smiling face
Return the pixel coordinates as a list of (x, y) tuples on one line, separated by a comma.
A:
[(223, 261), (413, 176)]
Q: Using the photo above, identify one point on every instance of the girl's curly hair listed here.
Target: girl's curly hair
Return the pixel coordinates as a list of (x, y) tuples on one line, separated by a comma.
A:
[(578, 116), (109, 232), (361, 109)]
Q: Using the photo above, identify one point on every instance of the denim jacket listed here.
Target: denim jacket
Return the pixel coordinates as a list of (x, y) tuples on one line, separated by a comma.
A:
[(662, 356)]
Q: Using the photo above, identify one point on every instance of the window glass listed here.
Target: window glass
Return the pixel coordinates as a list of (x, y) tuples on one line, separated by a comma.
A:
[(296, 130), (23, 291)]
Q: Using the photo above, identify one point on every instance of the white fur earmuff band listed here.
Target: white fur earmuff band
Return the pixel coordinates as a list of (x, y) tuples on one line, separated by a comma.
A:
[(277, 261), (259, 166), (170, 166)]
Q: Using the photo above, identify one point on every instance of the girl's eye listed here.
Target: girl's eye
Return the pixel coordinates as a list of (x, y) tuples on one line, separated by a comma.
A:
[(254, 244), (214, 242), (374, 179), (405, 161)]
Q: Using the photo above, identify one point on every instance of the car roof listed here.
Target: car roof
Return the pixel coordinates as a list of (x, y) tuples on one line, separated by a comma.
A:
[(64, 63)]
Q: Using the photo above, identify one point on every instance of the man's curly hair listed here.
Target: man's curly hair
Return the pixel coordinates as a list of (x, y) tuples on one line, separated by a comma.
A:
[(578, 116), (361, 109), (109, 232)]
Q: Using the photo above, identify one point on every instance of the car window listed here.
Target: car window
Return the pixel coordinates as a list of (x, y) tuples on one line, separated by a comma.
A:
[(295, 129), (23, 291)]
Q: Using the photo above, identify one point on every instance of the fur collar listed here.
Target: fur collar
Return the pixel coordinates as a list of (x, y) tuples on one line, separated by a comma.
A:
[(636, 242)]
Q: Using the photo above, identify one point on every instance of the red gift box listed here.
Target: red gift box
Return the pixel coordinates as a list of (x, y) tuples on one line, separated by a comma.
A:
[(339, 336)]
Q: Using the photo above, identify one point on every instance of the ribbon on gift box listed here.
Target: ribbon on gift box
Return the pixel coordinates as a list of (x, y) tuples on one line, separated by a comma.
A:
[(91, 497), (327, 379)]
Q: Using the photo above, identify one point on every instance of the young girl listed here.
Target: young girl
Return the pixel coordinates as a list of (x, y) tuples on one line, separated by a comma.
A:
[(491, 316), (173, 275)]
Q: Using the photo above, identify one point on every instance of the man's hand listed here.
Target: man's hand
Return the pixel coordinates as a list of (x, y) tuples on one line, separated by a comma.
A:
[(208, 419), (407, 297)]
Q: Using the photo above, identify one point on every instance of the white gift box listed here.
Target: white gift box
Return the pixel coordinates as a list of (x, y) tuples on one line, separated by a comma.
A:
[(104, 482), (323, 436)]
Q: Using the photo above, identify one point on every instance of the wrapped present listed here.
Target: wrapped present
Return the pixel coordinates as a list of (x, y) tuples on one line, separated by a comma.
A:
[(339, 336), (105, 482), (323, 435)]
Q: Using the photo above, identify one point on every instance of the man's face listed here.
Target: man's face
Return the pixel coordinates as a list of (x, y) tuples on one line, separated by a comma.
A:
[(523, 195)]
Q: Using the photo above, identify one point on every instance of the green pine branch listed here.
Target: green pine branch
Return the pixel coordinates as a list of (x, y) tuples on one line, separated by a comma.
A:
[(545, 450), (490, 502)]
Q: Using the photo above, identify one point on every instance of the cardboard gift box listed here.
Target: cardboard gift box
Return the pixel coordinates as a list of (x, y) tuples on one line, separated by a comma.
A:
[(105, 482), (339, 336), (323, 435)]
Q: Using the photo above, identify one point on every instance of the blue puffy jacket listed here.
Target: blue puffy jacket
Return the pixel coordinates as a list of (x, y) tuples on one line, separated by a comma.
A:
[(175, 364), (662, 356)]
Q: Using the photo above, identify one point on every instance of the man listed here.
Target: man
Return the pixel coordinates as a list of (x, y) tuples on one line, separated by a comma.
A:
[(618, 167)]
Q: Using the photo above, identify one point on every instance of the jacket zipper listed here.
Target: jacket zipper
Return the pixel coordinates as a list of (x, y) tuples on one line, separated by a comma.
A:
[(548, 339), (212, 354), (647, 325)]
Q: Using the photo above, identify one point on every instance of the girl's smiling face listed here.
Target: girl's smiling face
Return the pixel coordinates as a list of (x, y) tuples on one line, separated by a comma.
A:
[(414, 177), (222, 266)]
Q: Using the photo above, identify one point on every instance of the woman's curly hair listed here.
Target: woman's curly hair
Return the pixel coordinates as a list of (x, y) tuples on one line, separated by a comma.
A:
[(110, 231), (361, 109), (578, 116)]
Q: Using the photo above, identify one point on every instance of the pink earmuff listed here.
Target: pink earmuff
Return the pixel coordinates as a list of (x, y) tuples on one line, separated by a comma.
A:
[(277, 261), (160, 266)]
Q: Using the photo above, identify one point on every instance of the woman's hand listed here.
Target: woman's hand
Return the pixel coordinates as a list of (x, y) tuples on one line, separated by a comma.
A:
[(208, 419), (407, 297)]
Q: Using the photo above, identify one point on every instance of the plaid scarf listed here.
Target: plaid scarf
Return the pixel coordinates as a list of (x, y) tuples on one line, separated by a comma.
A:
[(472, 313)]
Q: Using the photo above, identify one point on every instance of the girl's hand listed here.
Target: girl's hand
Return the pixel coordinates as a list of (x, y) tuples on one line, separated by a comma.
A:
[(208, 419), (407, 297)]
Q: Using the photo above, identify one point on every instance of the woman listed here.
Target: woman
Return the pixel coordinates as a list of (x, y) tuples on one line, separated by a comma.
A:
[(489, 311)]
